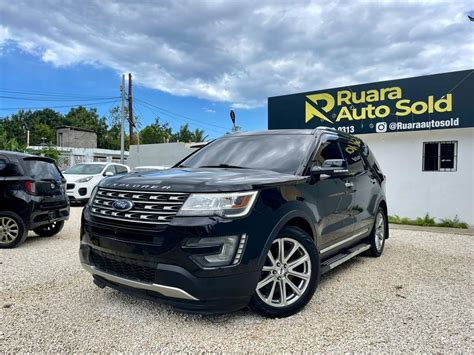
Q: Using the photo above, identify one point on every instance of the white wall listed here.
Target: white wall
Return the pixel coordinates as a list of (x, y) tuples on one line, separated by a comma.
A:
[(162, 154), (412, 192)]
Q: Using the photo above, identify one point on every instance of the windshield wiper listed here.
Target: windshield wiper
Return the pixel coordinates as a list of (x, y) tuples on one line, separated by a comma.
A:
[(224, 166)]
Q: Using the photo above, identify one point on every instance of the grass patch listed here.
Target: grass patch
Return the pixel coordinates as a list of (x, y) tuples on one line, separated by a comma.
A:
[(428, 221)]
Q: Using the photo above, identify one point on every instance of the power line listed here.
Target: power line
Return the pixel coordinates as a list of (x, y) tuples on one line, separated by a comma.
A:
[(61, 106), (180, 115), (49, 94), (49, 99), (151, 109)]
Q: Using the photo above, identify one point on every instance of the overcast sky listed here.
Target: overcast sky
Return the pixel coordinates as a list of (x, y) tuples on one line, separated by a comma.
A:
[(241, 52)]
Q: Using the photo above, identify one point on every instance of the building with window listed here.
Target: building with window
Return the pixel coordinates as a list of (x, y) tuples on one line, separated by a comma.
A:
[(420, 129)]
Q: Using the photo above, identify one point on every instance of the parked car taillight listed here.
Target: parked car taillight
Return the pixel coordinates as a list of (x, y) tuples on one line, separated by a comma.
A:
[(30, 186)]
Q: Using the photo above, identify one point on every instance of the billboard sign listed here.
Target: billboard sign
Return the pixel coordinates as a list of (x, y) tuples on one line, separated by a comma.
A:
[(437, 101)]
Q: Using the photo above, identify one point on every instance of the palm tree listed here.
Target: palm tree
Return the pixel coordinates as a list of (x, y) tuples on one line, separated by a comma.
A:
[(198, 136)]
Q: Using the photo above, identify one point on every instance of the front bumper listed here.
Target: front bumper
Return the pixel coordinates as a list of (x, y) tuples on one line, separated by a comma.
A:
[(78, 191), (152, 263)]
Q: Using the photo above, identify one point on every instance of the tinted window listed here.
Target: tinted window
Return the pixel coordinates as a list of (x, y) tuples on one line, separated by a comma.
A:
[(121, 169), (329, 149), (354, 159), (373, 163), (9, 168), (448, 152), (40, 169), (439, 156), (85, 169), (431, 157), (277, 152)]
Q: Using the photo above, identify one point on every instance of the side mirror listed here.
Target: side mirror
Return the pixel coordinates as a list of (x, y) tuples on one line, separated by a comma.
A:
[(108, 173), (331, 167)]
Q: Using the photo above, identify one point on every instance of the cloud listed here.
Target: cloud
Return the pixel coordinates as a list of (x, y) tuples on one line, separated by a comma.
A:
[(242, 52), (209, 110)]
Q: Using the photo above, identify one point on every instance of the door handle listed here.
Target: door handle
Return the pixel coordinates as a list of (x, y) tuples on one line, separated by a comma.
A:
[(349, 185)]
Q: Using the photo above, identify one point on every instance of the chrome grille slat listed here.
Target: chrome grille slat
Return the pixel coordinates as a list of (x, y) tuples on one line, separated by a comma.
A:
[(161, 210), (142, 201), (137, 210), (145, 192)]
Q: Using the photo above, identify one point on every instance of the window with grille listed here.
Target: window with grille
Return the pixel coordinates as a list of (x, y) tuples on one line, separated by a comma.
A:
[(440, 156)]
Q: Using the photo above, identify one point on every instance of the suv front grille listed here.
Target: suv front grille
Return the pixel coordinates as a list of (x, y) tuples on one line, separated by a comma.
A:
[(123, 267), (148, 207)]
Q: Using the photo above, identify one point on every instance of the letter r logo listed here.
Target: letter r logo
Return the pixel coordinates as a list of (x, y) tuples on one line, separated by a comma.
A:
[(311, 111)]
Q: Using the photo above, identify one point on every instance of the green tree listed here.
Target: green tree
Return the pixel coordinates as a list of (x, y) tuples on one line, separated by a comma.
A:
[(16, 126), (43, 126), (40, 123), (48, 151), (9, 144), (198, 136), (183, 135), (156, 133)]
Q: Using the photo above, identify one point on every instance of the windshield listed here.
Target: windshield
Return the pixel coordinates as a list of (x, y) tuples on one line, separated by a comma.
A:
[(277, 152), (40, 169), (83, 169)]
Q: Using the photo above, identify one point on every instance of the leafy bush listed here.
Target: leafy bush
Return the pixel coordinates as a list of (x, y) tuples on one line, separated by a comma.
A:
[(428, 221), (452, 223), (49, 151)]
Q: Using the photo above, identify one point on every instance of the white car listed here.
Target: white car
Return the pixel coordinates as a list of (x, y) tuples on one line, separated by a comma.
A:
[(82, 178)]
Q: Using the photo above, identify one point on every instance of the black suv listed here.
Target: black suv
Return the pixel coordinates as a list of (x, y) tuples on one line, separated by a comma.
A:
[(250, 219), (32, 197)]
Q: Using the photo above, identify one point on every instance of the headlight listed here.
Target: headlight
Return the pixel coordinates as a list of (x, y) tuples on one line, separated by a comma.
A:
[(232, 204), (93, 193), (86, 179)]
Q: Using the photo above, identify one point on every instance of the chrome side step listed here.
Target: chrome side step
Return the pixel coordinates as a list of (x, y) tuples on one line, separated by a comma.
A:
[(338, 259)]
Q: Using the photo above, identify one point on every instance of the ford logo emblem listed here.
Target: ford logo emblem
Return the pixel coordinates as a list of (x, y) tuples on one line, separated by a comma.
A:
[(122, 205)]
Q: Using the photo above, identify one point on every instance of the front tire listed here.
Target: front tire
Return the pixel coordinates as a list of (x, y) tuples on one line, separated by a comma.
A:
[(48, 230), (290, 275), (13, 231)]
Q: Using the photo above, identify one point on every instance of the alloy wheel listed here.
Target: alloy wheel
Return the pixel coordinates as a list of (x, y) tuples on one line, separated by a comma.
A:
[(9, 230), (286, 273), (379, 231)]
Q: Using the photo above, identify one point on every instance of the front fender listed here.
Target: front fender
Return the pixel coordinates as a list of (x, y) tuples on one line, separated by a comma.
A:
[(285, 212)]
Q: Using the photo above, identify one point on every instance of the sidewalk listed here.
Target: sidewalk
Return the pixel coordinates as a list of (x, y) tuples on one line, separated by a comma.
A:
[(469, 231)]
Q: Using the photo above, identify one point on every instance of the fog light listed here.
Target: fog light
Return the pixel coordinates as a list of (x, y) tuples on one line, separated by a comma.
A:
[(216, 251)]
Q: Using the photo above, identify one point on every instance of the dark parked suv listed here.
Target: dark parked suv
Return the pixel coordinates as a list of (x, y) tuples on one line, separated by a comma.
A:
[(250, 219), (32, 197)]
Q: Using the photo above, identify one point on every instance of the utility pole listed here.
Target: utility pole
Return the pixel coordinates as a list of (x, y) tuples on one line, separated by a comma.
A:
[(122, 120), (130, 107)]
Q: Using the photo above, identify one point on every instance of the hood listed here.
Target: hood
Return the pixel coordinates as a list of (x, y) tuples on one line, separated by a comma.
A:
[(200, 180)]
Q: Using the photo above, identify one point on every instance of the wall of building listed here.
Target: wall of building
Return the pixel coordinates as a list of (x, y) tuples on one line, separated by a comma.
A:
[(72, 156), (76, 138), (412, 192), (164, 154)]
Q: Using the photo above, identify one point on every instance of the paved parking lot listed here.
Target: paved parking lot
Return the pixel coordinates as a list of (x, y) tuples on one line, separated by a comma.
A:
[(416, 297)]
